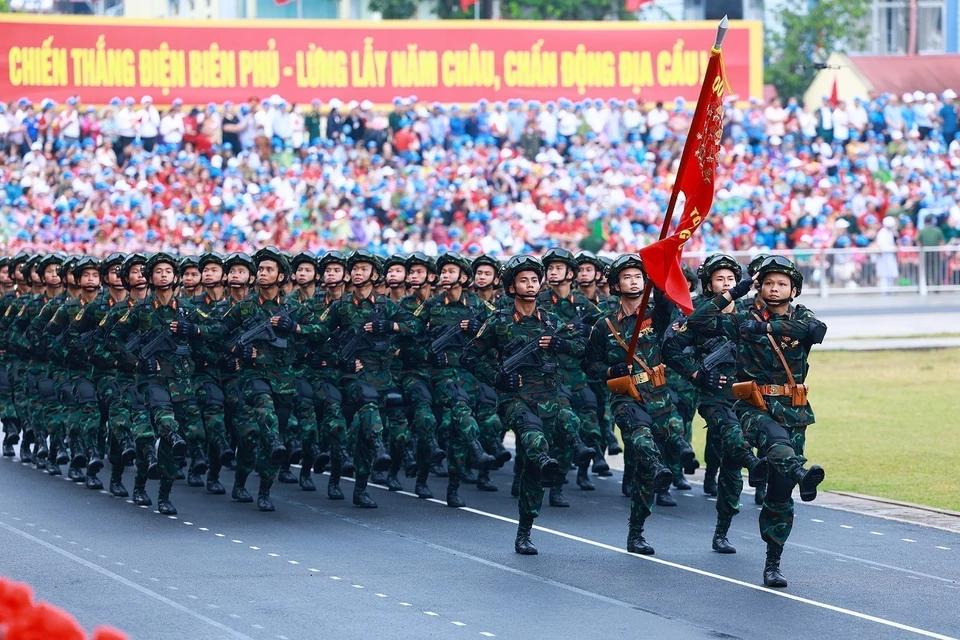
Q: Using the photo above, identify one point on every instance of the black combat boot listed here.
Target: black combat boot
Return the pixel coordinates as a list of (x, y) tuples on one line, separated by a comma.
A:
[(681, 483), (321, 459), (199, 462), (129, 454), (436, 453), (178, 446), (393, 483), (440, 470), (140, 497), (710, 481), (720, 542), (523, 545), (453, 484), (75, 474), (662, 477), (484, 483), (240, 493), (760, 494), (361, 498), (626, 485), (583, 478), (79, 456), (422, 490), (334, 492), (757, 468), (557, 499), (771, 569), (295, 450), (25, 455), (306, 468), (469, 476), (549, 470), (146, 447), (42, 450), (222, 450), (278, 452), (600, 465), (500, 453), (379, 477), (582, 454), (480, 459), (381, 457), (688, 460), (409, 461), (808, 479), (92, 481), (285, 476), (264, 503), (53, 469), (613, 445), (61, 457), (8, 451), (116, 482), (664, 499), (636, 542), (164, 506), (214, 486), (10, 438), (194, 479)]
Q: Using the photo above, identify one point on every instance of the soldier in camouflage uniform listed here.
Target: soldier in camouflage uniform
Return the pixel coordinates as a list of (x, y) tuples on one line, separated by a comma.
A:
[(775, 340), (364, 323), (212, 302), (395, 277), (8, 410), (20, 380), (451, 318), (486, 279), (645, 414), (190, 277), (590, 271), (267, 376), (414, 376), (517, 351), (706, 333), (165, 376)]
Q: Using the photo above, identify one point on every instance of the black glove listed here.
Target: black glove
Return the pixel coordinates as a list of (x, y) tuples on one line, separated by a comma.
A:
[(508, 381), (150, 365), (185, 328), (125, 365), (228, 364), (438, 359), (245, 352), (618, 370), (753, 326), (349, 366), (708, 380), (584, 329), (558, 345), (286, 324), (741, 289), (382, 327), (473, 326)]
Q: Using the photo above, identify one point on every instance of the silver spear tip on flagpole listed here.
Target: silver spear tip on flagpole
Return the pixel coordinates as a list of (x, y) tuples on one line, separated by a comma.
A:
[(722, 31)]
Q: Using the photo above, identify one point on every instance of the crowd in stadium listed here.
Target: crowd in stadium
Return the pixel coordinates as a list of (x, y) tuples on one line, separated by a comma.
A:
[(496, 178)]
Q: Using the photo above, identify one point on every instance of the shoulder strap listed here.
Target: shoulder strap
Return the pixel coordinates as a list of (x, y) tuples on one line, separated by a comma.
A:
[(626, 347), (783, 361)]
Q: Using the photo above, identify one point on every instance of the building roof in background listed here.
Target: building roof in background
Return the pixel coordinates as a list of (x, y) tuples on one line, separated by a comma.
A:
[(906, 74)]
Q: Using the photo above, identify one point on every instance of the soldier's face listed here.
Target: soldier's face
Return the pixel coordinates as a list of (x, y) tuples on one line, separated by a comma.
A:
[(306, 273), (631, 282), (136, 276), (361, 273), (586, 274), (556, 272), (113, 279), (212, 274), (268, 273), (333, 274), (5, 277), (50, 275), (417, 276), (776, 288), (484, 276), (162, 275), (90, 280), (722, 280), (191, 278), (527, 284), (238, 276), (396, 274), (449, 275)]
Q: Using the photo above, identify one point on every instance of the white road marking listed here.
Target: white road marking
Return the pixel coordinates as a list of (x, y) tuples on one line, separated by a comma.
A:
[(172, 517), (128, 583), (381, 595), (876, 533), (431, 613), (815, 520), (334, 578), (237, 541), (487, 634), (255, 548), (293, 562), (845, 526), (257, 626), (193, 597), (944, 548), (136, 571), (405, 604), (188, 523), (204, 529), (274, 555), (458, 623), (314, 570), (234, 616), (172, 588), (357, 586), (219, 535), (907, 540)]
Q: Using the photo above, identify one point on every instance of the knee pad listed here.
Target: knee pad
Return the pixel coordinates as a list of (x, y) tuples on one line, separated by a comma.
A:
[(362, 393), (5, 384), (85, 391), (65, 392), (565, 392), (775, 433), (488, 396), (779, 488), (109, 390), (526, 420), (636, 417), (156, 396), (331, 395), (258, 386), (459, 394), (393, 399), (588, 399), (213, 395), (47, 390), (305, 391), (419, 392), (135, 397)]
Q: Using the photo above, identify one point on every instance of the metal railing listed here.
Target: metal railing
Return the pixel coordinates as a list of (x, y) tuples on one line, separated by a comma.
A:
[(918, 270)]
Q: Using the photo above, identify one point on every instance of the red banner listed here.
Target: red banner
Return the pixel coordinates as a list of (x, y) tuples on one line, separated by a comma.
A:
[(446, 61)]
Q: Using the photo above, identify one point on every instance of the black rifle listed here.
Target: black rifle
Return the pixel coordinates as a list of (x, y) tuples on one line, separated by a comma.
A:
[(451, 335), (149, 343), (525, 354), (260, 330), (719, 351)]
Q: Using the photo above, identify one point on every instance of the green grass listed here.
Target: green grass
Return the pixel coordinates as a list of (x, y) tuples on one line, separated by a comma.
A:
[(888, 424)]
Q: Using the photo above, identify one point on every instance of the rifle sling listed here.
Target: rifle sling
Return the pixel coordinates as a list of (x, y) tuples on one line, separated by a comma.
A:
[(626, 347), (783, 361)]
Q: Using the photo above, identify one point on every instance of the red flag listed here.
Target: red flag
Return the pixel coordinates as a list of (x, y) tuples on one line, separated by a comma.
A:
[(695, 178), (834, 98), (466, 4), (636, 5)]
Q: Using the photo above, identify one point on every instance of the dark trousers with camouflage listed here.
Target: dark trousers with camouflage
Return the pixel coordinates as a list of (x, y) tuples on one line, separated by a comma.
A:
[(173, 408), (423, 421), (783, 447), (258, 424), (637, 426), (366, 394), (731, 443), (328, 407), (456, 391)]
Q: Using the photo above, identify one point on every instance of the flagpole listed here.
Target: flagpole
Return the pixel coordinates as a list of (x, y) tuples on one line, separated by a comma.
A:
[(668, 217)]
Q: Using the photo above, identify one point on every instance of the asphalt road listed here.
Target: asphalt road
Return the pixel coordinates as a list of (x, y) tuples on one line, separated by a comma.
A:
[(418, 569)]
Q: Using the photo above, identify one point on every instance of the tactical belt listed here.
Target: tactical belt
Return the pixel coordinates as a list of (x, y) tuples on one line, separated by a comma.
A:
[(640, 378), (775, 389)]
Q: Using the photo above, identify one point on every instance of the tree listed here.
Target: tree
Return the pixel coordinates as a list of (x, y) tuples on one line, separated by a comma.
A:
[(564, 9), (807, 34), (4, 6), (392, 9)]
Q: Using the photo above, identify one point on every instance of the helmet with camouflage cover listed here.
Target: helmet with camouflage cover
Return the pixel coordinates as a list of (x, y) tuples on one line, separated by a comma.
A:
[(43, 262), (186, 262), (755, 263), (332, 257), (589, 257), (395, 259), (83, 263), (558, 254), (517, 265), (161, 257), (780, 264), (620, 264), (302, 257), (419, 257), (489, 261), (239, 258), (713, 264), (454, 258), (112, 261), (128, 263), (272, 253), (363, 256), (209, 257)]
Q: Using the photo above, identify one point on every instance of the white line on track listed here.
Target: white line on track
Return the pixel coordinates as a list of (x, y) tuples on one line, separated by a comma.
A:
[(127, 583)]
